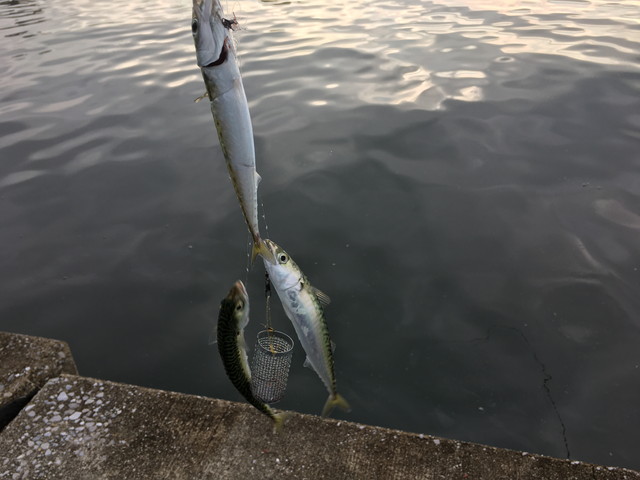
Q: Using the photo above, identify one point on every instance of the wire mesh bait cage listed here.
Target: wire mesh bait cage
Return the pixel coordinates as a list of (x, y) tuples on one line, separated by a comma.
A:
[(270, 365)]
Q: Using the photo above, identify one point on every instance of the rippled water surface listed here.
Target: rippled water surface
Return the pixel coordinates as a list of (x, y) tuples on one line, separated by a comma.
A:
[(462, 178)]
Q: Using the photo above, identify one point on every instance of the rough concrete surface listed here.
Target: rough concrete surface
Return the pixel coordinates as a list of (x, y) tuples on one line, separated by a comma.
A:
[(81, 428), (26, 363)]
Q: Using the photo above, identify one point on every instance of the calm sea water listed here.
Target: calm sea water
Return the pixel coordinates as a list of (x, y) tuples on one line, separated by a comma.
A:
[(461, 177)]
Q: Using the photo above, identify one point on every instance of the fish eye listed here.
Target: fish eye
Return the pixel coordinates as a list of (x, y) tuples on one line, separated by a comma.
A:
[(194, 27), (282, 258), (240, 306)]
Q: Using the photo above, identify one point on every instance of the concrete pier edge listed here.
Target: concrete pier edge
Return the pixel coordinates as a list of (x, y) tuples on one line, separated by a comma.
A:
[(26, 363), (82, 428)]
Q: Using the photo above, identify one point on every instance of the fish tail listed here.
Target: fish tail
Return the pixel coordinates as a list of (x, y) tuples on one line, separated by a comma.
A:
[(334, 401), (278, 421), (259, 248)]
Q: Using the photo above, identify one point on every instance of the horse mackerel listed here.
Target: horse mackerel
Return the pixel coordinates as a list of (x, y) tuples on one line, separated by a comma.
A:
[(216, 57), (232, 319), (303, 305)]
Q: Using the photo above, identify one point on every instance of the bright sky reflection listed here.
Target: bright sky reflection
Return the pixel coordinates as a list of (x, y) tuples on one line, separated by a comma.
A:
[(409, 44)]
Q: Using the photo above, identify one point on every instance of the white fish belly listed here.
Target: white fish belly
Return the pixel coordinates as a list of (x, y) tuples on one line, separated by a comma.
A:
[(233, 123), (308, 326)]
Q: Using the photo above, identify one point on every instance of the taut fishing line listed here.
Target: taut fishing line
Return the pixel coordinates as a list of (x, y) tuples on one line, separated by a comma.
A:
[(271, 358), (264, 217)]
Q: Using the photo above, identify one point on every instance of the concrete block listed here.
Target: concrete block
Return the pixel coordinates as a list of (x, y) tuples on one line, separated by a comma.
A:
[(81, 428), (26, 363)]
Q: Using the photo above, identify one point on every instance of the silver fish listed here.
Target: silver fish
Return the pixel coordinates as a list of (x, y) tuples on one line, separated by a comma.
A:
[(216, 57), (232, 319), (304, 304)]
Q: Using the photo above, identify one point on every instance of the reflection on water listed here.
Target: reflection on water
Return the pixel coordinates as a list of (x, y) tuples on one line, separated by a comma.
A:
[(614, 211), (461, 177), (24, 14)]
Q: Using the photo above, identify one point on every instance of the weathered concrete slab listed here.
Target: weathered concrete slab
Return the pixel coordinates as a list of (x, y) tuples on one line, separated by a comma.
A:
[(26, 363), (80, 428)]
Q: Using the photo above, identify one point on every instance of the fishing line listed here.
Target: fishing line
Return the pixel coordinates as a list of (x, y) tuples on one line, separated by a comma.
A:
[(249, 251), (271, 358), (264, 217), (267, 297), (268, 326), (234, 26)]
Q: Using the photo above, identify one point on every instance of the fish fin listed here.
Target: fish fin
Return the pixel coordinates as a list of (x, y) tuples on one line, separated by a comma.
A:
[(242, 343), (213, 336), (307, 363), (259, 248), (333, 346), (258, 179), (278, 421), (334, 401), (322, 297), (201, 97)]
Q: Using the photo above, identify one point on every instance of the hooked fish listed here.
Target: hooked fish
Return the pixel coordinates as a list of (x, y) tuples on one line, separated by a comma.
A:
[(304, 305), (216, 57), (232, 319)]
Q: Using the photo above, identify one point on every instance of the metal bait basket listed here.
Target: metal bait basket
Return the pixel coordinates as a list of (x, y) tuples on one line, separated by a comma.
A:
[(270, 365)]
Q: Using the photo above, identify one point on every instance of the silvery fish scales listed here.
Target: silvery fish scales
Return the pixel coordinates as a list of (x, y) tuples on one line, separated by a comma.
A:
[(303, 305), (216, 57)]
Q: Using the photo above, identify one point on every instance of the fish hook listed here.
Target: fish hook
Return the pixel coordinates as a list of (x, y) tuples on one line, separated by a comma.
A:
[(230, 24)]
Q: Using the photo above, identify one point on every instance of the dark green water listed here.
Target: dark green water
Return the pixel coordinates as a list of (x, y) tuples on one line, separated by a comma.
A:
[(462, 178)]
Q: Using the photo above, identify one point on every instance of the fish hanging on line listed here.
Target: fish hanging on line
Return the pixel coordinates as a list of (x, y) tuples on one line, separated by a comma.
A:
[(304, 305), (216, 57), (232, 319)]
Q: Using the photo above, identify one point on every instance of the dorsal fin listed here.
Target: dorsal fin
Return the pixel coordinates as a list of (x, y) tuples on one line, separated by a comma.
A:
[(307, 363), (213, 335)]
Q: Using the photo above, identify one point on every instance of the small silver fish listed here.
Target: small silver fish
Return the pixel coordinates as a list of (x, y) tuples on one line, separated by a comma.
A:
[(232, 319), (216, 57), (304, 304)]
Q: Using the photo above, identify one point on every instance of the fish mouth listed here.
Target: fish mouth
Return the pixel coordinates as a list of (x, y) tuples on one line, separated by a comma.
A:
[(271, 248), (269, 243), (222, 58), (239, 288), (267, 250)]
